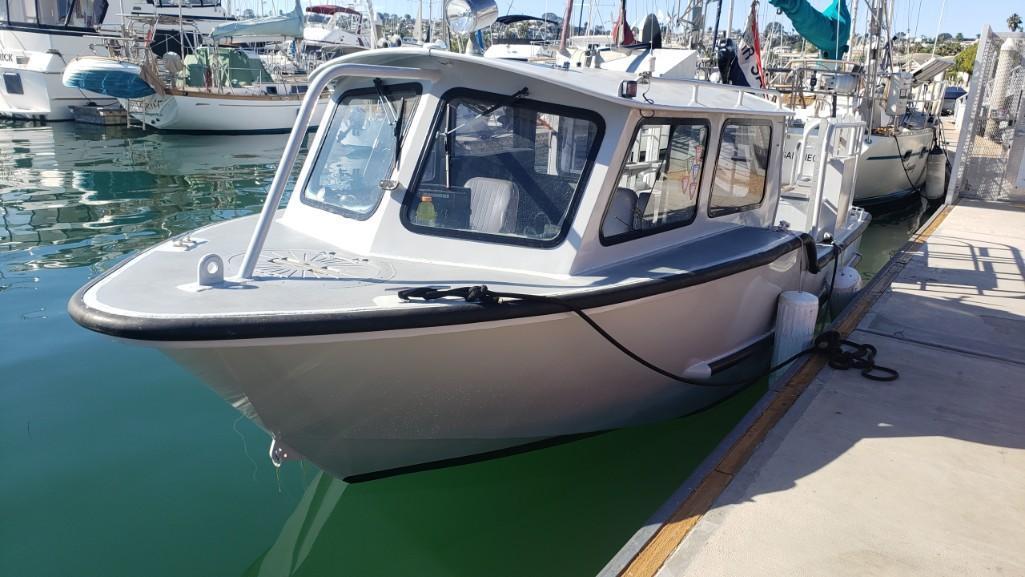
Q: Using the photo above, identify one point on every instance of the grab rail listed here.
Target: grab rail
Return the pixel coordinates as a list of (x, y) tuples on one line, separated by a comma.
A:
[(318, 82)]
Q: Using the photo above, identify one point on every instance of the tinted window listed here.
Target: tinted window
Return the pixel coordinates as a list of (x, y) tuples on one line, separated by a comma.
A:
[(739, 182), (80, 13), (659, 182), (503, 168), (22, 11), (359, 149)]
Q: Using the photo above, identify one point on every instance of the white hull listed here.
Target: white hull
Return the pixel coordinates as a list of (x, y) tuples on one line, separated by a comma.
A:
[(370, 402), (39, 59), (881, 175), (217, 113), (38, 56)]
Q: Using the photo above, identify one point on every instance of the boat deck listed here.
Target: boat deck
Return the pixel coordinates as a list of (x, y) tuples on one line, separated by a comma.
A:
[(834, 474)]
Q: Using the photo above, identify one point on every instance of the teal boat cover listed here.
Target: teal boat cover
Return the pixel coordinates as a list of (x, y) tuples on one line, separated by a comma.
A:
[(827, 30), (108, 79), (290, 25)]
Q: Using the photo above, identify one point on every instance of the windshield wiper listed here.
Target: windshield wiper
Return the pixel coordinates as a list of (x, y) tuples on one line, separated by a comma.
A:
[(504, 102), (398, 131), (385, 103)]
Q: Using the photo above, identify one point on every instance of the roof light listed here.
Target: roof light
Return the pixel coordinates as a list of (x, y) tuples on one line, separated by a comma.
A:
[(468, 16)]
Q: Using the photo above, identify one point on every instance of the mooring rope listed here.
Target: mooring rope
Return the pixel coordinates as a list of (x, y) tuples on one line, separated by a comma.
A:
[(829, 343)]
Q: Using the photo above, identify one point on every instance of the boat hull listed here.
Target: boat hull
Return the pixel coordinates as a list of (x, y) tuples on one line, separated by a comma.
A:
[(374, 403), (31, 67), (881, 176), (219, 113), (889, 167)]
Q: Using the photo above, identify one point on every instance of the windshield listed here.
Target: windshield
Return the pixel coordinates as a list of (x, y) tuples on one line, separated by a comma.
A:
[(58, 13), (359, 149), (503, 168)]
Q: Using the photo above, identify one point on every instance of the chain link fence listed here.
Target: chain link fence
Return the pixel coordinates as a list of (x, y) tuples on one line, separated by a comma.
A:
[(988, 159)]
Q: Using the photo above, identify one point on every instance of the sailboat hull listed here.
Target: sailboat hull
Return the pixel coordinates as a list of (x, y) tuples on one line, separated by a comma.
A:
[(893, 166), (235, 114), (889, 167)]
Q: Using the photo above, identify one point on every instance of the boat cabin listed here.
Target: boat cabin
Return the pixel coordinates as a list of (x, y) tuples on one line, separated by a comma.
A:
[(548, 170)]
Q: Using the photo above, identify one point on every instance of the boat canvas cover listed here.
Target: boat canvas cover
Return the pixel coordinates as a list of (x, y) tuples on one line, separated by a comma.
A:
[(290, 25), (108, 77), (235, 68), (827, 30)]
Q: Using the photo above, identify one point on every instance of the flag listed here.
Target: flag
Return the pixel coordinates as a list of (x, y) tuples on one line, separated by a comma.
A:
[(749, 54), (622, 35)]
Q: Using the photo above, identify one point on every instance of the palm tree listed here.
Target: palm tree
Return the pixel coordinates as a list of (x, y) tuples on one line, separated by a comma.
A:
[(1014, 22)]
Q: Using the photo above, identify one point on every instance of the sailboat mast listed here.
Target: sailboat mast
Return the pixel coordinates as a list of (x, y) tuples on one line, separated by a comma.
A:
[(418, 32), (872, 55), (854, 30), (729, 21), (567, 14), (939, 23), (373, 23)]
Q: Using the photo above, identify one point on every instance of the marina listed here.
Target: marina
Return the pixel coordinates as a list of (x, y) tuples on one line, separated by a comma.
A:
[(324, 289), (76, 207)]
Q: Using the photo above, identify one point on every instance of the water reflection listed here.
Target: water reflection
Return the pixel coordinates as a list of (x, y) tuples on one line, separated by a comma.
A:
[(78, 195), (566, 509), (892, 224)]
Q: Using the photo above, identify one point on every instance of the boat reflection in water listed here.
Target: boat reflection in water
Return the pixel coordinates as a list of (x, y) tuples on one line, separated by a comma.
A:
[(84, 195)]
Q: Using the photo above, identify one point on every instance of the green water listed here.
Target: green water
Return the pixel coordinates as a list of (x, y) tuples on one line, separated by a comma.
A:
[(117, 462)]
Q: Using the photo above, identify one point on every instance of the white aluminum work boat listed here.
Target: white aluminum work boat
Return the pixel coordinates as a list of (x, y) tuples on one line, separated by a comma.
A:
[(653, 206)]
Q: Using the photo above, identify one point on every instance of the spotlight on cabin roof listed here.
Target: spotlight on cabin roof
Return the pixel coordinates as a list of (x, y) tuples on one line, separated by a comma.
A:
[(467, 16)]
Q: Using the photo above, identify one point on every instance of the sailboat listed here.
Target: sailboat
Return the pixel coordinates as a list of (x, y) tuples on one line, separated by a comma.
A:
[(39, 37), (216, 89), (900, 108)]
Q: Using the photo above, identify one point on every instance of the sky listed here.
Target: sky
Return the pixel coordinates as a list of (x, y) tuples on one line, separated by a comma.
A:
[(964, 16)]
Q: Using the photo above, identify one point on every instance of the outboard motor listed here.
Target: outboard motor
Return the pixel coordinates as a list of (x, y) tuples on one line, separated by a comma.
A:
[(726, 61), (651, 32)]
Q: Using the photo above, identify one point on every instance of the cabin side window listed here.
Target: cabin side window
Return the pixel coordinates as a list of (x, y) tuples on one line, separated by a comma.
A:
[(360, 149), (502, 168), (740, 170), (54, 13), (659, 182), (22, 11)]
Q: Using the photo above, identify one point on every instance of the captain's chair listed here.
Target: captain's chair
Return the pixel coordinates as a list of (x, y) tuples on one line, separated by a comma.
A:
[(621, 214), (493, 204)]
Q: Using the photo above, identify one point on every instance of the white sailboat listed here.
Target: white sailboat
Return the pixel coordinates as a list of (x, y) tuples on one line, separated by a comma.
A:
[(900, 108), (216, 89), (39, 37)]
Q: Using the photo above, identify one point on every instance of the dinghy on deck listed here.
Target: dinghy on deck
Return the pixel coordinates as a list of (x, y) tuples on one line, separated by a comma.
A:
[(360, 326), (107, 76)]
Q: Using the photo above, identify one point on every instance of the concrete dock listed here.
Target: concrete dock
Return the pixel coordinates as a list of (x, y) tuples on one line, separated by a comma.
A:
[(924, 476)]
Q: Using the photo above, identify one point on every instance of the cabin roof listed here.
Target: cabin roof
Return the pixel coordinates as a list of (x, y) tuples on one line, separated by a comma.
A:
[(661, 95)]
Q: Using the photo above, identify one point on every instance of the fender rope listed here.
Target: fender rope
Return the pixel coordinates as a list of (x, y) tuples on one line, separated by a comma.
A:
[(829, 343)]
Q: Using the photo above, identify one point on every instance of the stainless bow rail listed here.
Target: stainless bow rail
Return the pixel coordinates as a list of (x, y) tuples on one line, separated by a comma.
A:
[(318, 82)]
